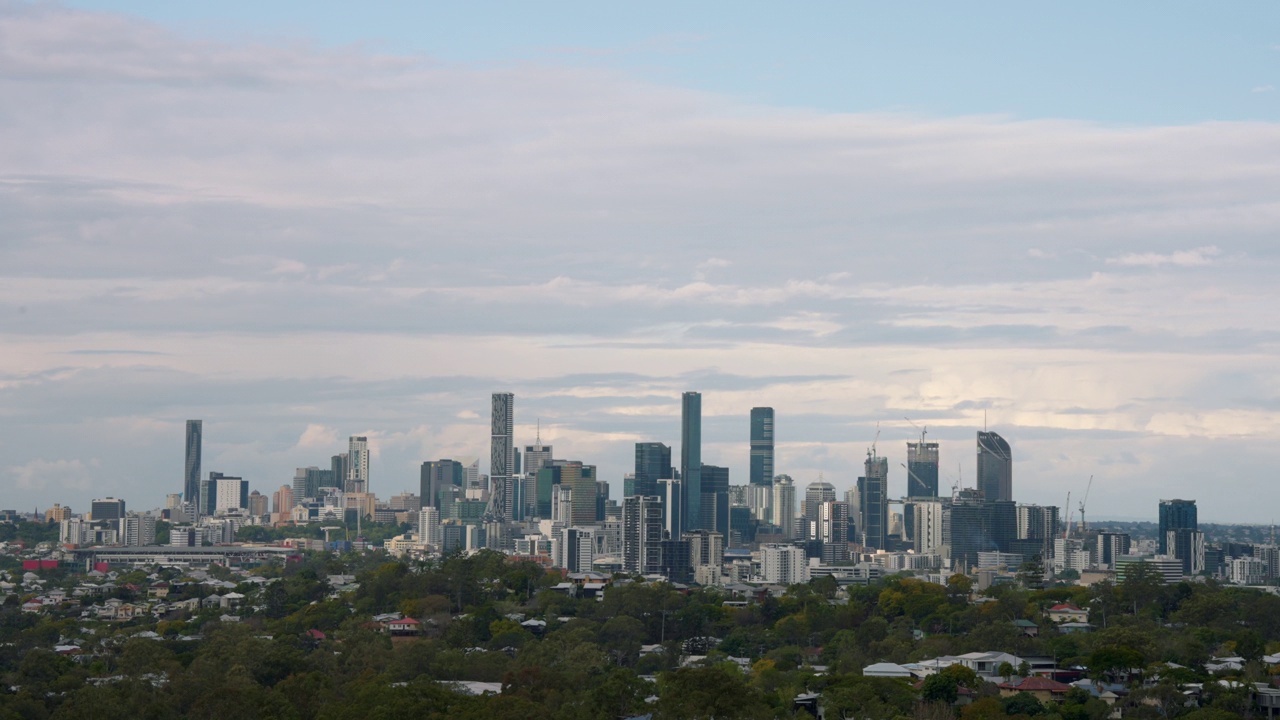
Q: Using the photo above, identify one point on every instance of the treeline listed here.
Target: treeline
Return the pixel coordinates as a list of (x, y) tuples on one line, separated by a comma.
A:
[(303, 653)]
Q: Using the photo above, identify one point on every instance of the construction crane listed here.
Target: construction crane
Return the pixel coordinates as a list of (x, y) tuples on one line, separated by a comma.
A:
[(872, 452), (923, 430), (1084, 526)]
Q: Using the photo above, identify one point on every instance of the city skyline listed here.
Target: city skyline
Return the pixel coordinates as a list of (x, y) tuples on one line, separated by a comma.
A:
[(835, 230)]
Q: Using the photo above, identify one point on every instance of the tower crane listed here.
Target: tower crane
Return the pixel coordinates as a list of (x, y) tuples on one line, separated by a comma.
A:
[(1084, 526), (923, 430), (1067, 535)]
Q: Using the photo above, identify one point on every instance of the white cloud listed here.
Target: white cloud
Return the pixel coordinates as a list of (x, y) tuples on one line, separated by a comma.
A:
[(1182, 258), (318, 437), (55, 476)]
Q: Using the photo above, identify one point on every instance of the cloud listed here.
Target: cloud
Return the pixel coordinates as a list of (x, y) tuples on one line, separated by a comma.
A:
[(1181, 258), (301, 243), (54, 475), (1263, 89)]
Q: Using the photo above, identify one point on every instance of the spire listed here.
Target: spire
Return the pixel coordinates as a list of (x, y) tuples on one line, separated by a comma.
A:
[(538, 441)]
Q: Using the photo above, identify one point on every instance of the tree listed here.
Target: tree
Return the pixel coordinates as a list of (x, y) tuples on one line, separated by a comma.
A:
[(715, 691), (939, 688), (1023, 703)]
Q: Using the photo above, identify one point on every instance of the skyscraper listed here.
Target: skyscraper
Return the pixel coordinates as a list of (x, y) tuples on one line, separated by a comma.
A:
[(873, 502), (191, 480), (642, 529), (691, 458), (715, 499), (358, 464), (672, 496), (653, 463), (107, 509), (815, 494), (995, 467), (536, 455), (784, 506), (502, 454), (762, 446), (436, 477), (922, 469), (1175, 515)]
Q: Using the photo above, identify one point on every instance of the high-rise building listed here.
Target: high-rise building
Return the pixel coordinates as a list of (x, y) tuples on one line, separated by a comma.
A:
[(436, 478), (706, 547), (995, 467), (642, 531), (672, 496), (358, 465), (137, 530), (1187, 546), (340, 468), (57, 513), (761, 446), (577, 548), (191, 480), (1175, 515), (536, 455), (922, 469), (653, 463), (783, 564), (830, 526), (974, 524), (1112, 545), (715, 499), (784, 506), (429, 532), (1038, 527), (873, 502), (582, 480), (502, 455), (258, 503), (231, 493), (927, 521), (282, 500), (815, 494), (691, 458), (107, 509)]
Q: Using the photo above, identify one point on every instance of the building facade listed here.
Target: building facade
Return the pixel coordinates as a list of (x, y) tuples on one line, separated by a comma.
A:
[(995, 467), (761, 470)]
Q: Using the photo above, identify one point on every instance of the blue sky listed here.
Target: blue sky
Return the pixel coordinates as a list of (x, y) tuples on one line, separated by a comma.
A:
[(300, 222), (1125, 63)]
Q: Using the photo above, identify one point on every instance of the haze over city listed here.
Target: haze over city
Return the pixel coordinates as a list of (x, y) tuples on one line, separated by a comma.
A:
[(300, 229)]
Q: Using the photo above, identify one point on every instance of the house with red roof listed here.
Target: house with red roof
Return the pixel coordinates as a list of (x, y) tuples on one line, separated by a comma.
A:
[(1066, 612), (1044, 689), (404, 626)]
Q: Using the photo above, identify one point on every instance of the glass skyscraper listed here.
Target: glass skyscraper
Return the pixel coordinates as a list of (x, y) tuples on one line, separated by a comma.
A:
[(995, 467), (653, 463), (691, 459), (191, 480), (761, 446), (922, 469), (1175, 515), (502, 454)]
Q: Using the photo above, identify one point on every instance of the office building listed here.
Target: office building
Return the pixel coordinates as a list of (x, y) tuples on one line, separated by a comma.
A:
[(137, 530), (706, 547), (1187, 546), (282, 500), (927, 518), (429, 527), (642, 533), (1111, 545), (191, 480), (672, 496), (873, 502), (691, 458), (231, 493), (814, 495), (995, 467), (577, 548), (761, 446), (782, 564), (653, 463), (258, 504), (1038, 526), (676, 565), (437, 481), (784, 506), (715, 499), (57, 513), (922, 469), (357, 465), (107, 509), (502, 455), (536, 455), (1175, 515), (830, 527), (973, 524)]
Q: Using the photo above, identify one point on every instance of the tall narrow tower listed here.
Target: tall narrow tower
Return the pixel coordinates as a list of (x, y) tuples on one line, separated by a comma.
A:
[(995, 467), (874, 501), (761, 446), (691, 458), (191, 480), (358, 465), (502, 454), (922, 469)]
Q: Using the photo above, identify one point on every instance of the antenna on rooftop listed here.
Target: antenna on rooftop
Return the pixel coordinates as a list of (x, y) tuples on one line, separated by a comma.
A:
[(539, 440)]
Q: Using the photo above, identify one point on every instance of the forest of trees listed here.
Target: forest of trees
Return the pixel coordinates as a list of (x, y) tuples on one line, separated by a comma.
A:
[(300, 653)]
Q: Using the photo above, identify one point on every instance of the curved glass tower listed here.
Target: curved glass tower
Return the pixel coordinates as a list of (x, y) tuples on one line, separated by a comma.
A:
[(995, 467)]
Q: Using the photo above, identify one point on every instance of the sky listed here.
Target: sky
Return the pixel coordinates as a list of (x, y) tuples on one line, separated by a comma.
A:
[(304, 221)]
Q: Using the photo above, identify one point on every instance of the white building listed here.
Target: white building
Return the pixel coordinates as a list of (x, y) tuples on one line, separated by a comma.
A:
[(783, 564), (1247, 571), (784, 506), (358, 464), (429, 532), (230, 493), (927, 518), (137, 530)]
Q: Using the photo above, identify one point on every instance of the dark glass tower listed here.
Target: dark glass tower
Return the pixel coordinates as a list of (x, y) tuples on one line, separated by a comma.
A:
[(922, 469), (653, 463), (1175, 515), (995, 467), (191, 481), (715, 499), (691, 458), (762, 446), (873, 494)]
